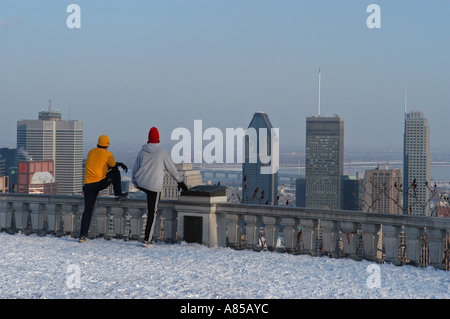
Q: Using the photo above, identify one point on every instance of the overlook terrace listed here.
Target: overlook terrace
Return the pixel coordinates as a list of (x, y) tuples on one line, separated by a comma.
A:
[(206, 217)]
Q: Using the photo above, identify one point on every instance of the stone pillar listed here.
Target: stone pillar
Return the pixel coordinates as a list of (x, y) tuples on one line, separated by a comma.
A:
[(350, 237), (199, 203), (436, 244), (308, 232), (370, 240), (77, 215), (290, 233), (252, 229), (271, 231), (391, 235), (413, 243), (138, 220), (329, 237), (68, 219), (169, 217), (234, 230)]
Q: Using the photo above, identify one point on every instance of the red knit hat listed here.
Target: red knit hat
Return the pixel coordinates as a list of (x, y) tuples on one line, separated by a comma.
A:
[(153, 135)]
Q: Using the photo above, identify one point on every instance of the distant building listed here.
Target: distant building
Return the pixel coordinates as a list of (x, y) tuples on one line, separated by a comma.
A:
[(9, 157), (300, 192), (416, 164), (4, 184), (443, 206), (258, 185), (382, 192), (324, 161), (353, 193), (36, 177), (191, 178), (51, 138)]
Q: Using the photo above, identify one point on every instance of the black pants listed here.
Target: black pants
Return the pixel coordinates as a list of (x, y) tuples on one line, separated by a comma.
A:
[(152, 208), (90, 196)]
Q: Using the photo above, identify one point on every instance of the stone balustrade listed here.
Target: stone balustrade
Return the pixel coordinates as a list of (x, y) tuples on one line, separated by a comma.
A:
[(377, 237)]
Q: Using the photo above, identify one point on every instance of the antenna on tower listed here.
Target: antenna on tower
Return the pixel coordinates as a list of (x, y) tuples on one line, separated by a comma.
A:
[(318, 106), (406, 96)]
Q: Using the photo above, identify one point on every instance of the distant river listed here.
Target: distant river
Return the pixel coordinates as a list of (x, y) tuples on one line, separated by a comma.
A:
[(439, 173)]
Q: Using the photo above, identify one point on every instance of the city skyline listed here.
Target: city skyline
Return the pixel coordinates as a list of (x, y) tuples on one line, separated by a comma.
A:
[(134, 64)]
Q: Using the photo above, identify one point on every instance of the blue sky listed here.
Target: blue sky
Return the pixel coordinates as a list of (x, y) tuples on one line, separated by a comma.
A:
[(137, 64)]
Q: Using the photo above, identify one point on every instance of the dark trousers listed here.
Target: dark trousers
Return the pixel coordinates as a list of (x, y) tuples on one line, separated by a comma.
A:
[(152, 209), (90, 196)]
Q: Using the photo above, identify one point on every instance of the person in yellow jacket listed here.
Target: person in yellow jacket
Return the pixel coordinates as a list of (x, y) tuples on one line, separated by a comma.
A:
[(101, 171)]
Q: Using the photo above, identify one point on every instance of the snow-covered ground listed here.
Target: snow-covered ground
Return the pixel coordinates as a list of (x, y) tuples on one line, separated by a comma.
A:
[(61, 268)]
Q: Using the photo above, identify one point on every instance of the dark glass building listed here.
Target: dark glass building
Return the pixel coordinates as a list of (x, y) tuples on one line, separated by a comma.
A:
[(260, 168)]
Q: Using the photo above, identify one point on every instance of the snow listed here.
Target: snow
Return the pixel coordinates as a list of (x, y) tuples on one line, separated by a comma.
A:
[(61, 268)]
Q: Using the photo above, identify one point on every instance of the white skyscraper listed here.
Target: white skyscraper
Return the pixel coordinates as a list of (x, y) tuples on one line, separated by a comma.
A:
[(416, 164), (50, 138)]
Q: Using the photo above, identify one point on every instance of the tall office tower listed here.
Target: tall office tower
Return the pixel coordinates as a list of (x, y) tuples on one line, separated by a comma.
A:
[(382, 192), (260, 168), (416, 164), (51, 138), (324, 162)]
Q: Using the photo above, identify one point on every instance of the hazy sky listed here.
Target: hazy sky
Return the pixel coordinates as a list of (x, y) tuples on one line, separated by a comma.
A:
[(137, 64)]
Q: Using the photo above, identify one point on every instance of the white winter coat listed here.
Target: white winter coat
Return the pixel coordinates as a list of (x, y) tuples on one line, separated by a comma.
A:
[(148, 169)]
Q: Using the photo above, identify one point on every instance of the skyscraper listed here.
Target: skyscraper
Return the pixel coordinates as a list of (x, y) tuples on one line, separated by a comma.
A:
[(416, 164), (382, 193), (324, 162), (260, 168), (51, 138)]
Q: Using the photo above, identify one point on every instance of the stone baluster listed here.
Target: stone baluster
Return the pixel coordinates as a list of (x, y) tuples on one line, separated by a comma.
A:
[(35, 217), (170, 224), (402, 249), (424, 260), (370, 240), (318, 238), (252, 229), (271, 231), (3, 214), (329, 237), (126, 227), (68, 217), (53, 217), (391, 235), (77, 215), (234, 223), (290, 233), (138, 221), (21, 216), (349, 231), (11, 218), (436, 245), (60, 231), (109, 223), (27, 224), (308, 226), (158, 225), (413, 243)]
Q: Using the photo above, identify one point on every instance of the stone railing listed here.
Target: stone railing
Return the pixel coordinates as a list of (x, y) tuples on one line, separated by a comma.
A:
[(206, 217)]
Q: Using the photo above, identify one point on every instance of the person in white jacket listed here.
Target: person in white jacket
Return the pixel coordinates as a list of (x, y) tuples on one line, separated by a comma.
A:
[(148, 176)]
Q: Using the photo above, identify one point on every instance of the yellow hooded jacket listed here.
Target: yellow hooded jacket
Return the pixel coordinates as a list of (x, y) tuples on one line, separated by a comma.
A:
[(98, 161)]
